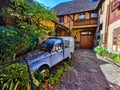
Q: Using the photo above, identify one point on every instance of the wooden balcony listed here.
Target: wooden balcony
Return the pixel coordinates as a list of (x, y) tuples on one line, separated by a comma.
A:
[(85, 22)]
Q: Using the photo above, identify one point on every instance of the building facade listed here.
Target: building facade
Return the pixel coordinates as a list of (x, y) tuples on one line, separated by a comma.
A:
[(80, 16), (109, 14), (114, 26)]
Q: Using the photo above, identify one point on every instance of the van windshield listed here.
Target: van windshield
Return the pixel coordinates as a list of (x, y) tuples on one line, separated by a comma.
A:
[(46, 47)]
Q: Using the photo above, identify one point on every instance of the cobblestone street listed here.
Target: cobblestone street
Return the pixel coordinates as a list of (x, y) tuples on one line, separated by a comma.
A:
[(87, 73)]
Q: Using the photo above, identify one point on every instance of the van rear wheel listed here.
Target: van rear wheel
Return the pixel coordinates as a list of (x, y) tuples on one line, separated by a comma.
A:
[(70, 57)]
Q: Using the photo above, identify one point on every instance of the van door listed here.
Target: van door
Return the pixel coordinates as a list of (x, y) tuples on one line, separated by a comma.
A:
[(56, 54), (67, 48)]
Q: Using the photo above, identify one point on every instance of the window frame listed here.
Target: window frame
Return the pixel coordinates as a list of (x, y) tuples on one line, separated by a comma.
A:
[(67, 44), (81, 16), (92, 13), (58, 47), (61, 19), (116, 40)]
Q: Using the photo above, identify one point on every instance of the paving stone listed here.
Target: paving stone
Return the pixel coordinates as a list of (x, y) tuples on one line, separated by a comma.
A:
[(84, 87), (93, 87), (87, 73)]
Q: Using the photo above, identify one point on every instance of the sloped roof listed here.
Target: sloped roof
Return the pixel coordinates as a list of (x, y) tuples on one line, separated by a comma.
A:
[(61, 25), (75, 6)]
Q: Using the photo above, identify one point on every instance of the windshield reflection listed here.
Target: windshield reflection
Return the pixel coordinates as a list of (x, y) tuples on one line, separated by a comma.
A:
[(46, 47)]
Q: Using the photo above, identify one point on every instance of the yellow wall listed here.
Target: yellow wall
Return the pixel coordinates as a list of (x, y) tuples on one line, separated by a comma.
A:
[(87, 15), (76, 16), (66, 19), (69, 23), (76, 33), (48, 23), (76, 29)]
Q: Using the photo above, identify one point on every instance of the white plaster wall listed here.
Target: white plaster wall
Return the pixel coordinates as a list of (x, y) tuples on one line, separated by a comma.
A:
[(110, 33)]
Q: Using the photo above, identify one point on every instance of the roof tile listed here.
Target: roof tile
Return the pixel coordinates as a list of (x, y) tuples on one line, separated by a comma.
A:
[(75, 6)]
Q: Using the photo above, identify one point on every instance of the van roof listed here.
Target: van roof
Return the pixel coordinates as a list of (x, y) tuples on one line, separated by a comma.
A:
[(53, 40), (66, 38)]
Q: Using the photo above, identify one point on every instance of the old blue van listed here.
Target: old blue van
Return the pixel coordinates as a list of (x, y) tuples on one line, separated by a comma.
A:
[(52, 51)]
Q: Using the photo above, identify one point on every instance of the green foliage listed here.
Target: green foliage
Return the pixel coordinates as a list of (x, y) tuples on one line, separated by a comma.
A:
[(103, 52), (14, 75), (27, 17), (100, 42), (33, 12), (54, 78), (100, 50), (69, 32), (68, 67), (38, 76), (115, 57), (16, 42)]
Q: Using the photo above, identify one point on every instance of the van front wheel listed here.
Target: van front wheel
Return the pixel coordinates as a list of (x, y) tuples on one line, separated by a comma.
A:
[(44, 72)]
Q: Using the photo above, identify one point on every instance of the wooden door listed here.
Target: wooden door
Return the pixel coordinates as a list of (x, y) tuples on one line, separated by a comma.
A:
[(86, 40), (62, 33)]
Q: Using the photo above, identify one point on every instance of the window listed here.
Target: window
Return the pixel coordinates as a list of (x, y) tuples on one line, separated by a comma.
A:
[(86, 33), (67, 43), (46, 47), (82, 16), (61, 19), (93, 14), (58, 46), (116, 40)]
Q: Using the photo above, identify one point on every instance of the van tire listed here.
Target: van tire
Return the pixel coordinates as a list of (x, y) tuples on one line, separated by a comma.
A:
[(70, 57), (45, 72)]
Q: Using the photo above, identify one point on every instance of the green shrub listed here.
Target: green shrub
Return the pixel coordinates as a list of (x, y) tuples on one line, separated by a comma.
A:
[(117, 58), (27, 18), (100, 50), (54, 78), (113, 55), (14, 75)]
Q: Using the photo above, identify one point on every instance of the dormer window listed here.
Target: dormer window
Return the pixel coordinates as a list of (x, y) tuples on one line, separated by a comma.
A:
[(81, 16), (61, 19), (93, 14)]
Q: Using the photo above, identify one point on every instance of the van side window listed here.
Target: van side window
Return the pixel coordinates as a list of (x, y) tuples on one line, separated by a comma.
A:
[(67, 43), (57, 46)]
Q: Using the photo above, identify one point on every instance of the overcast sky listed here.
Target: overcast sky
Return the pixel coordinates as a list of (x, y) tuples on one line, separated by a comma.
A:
[(51, 3)]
